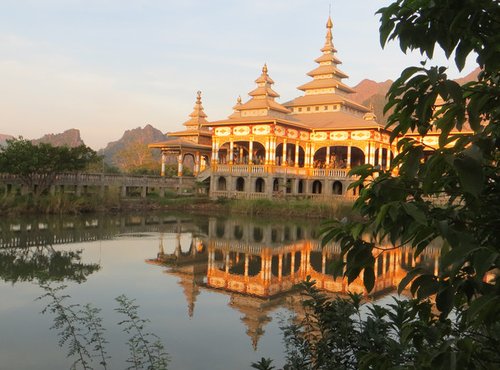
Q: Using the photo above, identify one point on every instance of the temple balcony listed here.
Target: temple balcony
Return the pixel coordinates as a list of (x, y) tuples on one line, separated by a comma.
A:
[(256, 169)]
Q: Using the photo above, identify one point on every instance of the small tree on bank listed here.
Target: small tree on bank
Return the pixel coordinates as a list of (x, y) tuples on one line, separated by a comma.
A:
[(464, 170), (38, 164)]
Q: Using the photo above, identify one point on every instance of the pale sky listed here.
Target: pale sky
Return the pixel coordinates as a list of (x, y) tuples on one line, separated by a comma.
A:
[(106, 66)]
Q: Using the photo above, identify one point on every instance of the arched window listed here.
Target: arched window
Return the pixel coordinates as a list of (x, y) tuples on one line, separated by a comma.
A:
[(240, 184), (221, 183), (317, 187), (259, 185), (337, 188)]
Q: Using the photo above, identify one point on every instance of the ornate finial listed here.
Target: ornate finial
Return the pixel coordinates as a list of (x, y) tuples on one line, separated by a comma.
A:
[(198, 96), (329, 23), (239, 99), (371, 107), (264, 69)]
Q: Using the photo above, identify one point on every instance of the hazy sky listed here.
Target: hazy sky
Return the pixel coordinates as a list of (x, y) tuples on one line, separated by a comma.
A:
[(105, 66)]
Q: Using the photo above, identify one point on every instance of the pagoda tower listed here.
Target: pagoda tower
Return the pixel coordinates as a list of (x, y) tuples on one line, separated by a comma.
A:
[(262, 102), (195, 141), (326, 92)]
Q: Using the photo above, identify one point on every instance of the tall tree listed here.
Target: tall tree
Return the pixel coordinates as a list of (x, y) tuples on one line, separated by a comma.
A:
[(38, 164)]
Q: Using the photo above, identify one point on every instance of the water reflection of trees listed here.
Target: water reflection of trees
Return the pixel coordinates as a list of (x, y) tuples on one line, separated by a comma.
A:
[(43, 264)]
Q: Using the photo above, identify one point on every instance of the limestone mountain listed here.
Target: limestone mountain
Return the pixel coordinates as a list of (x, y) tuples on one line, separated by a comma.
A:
[(131, 150), (371, 93), (69, 138)]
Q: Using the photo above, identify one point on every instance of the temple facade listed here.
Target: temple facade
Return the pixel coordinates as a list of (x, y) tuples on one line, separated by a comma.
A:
[(303, 147)]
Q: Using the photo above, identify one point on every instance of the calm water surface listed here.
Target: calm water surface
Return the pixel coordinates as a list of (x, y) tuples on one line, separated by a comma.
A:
[(214, 289)]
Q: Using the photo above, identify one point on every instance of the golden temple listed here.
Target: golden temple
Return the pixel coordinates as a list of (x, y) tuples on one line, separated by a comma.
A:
[(303, 147)]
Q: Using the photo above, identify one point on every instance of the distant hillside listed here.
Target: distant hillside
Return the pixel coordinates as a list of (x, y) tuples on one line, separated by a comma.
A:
[(69, 138), (369, 92), (4, 138), (367, 88), (132, 148)]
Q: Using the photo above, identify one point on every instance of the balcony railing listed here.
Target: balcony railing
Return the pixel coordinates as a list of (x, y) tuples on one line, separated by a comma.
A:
[(282, 170)]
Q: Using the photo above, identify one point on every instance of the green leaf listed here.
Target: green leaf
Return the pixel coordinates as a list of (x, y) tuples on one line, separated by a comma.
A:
[(470, 174), (409, 277), (415, 213), (369, 278)]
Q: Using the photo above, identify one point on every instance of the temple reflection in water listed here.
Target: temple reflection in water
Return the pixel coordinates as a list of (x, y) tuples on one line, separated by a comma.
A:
[(258, 264)]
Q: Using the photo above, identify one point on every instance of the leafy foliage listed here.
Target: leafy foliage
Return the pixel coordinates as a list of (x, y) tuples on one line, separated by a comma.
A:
[(71, 323), (146, 350), (81, 330), (400, 204), (38, 164), (448, 195), (340, 333)]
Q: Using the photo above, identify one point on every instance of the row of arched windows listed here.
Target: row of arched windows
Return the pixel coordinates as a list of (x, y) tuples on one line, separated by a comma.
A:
[(279, 185)]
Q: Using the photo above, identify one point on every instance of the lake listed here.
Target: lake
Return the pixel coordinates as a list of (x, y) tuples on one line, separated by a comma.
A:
[(215, 290)]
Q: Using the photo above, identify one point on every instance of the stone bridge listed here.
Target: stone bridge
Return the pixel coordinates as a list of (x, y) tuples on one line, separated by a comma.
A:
[(80, 183)]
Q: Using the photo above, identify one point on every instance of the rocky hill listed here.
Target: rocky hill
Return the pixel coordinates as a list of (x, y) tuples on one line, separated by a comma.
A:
[(369, 93), (132, 148), (69, 138)]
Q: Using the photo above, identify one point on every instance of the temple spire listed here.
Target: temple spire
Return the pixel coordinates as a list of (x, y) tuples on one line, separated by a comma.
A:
[(198, 116), (328, 38)]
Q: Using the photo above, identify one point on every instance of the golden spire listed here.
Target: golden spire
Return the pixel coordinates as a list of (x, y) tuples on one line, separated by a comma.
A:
[(198, 116), (329, 38), (264, 69)]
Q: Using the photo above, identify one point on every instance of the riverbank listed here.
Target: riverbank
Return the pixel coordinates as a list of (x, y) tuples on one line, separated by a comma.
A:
[(111, 203)]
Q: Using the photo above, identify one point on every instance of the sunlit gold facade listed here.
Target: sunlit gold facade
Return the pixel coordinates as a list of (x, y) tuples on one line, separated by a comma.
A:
[(303, 147)]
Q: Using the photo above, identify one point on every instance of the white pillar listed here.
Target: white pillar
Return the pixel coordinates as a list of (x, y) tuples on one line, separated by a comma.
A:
[(349, 150), (284, 153), (328, 155), (250, 152), (163, 163), (388, 159), (296, 154), (231, 152), (179, 165)]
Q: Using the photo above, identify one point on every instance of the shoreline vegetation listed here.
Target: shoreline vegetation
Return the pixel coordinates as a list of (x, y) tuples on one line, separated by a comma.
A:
[(112, 203)]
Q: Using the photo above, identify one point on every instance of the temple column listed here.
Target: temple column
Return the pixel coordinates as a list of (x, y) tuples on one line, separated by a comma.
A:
[(292, 265), (296, 154), (179, 165), (349, 150), (375, 266), (250, 152), (306, 155), (246, 265), (231, 152), (240, 156), (380, 155), (388, 159), (272, 158), (227, 262), (268, 149), (163, 163), (196, 168), (280, 267), (283, 158), (323, 263), (384, 262), (328, 155)]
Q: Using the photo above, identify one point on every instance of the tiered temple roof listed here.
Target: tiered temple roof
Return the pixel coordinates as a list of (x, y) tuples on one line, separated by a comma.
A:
[(196, 135), (326, 103)]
